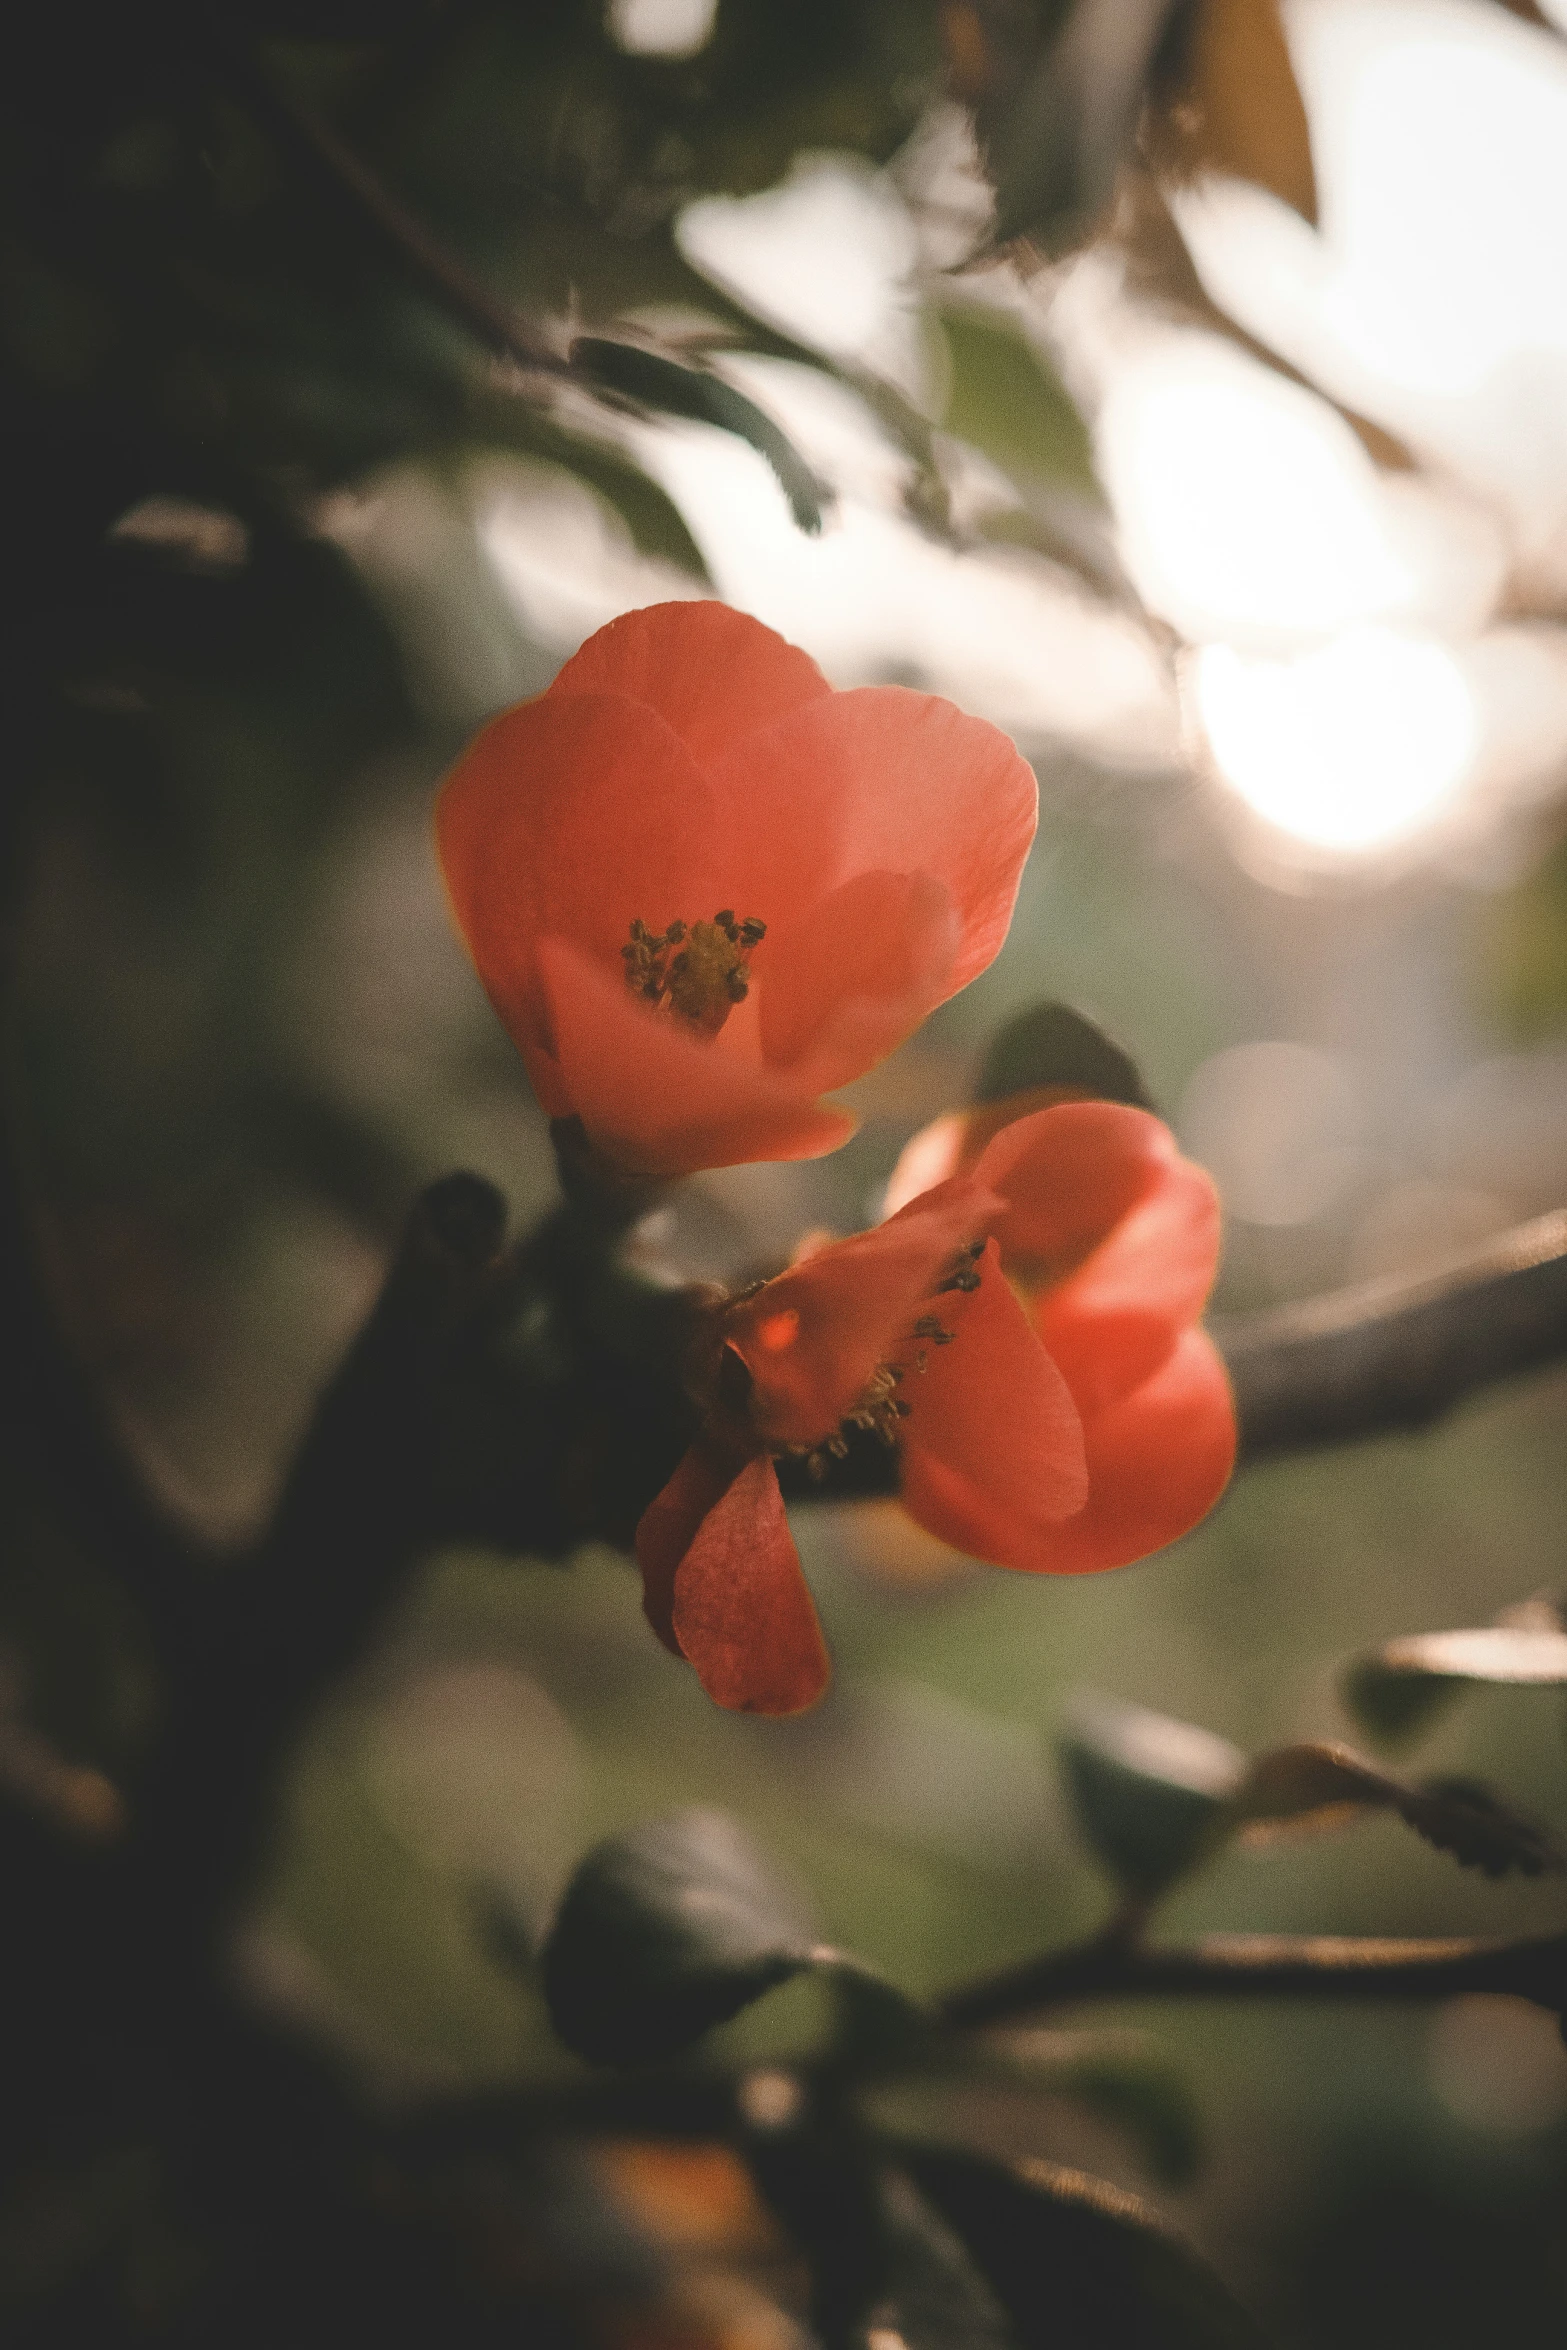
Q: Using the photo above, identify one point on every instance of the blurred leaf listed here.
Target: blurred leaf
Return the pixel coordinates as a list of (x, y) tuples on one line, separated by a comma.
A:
[(665, 1932), (1160, 270), (1463, 1817), (670, 389), (820, 2175), (1051, 1045), (1233, 104), (880, 2257), (655, 522), (675, 1927), (1523, 945), (1057, 124), (1395, 1707), (939, 2298), (1398, 1688), (1076, 2263), (1318, 1785), (1123, 2077), (1151, 1795), (1006, 400), (1141, 2093)]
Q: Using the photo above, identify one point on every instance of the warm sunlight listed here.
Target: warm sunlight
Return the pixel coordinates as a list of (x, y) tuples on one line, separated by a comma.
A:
[(1349, 748)]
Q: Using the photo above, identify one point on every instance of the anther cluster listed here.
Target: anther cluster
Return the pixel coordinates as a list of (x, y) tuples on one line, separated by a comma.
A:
[(701, 970)]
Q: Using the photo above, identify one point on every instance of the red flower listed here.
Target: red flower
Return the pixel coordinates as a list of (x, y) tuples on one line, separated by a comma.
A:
[(702, 889), (1113, 1239), (1080, 1431)]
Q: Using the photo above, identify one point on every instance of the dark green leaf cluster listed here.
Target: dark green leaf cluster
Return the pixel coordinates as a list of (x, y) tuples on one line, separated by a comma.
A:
[(1157, 1798), (674, 1927)]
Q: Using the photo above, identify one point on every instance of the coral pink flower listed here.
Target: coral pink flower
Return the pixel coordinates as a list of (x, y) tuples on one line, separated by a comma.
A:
[(1082, 1430), (1113, 1239), (703, 889)]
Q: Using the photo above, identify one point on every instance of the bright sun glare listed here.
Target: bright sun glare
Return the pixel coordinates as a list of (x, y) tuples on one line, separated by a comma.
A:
[(1351, 747), (1340, 608)]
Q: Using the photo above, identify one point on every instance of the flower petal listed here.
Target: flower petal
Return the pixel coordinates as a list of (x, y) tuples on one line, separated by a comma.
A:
[(712, 674), (572, 816), (927, 1158), (813, 1338), (951, 1145), (658, 1100), (992, 1447), (1157, 1463), (1158, 1460), (743, 1612), (1117, 1233), (1112, 1323), (845, 984), (881, 779), (669, 1525)]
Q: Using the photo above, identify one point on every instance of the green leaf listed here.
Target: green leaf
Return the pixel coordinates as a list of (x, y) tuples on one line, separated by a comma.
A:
[(1523, 949), (1056, 139), (672, 389), (1151, 1795), (1051, 1045), (1005, 399), (1076, 2263), (675, 1927), (1401, 1686), (1122, 2076), (1316, 1785), (1140, 2093)]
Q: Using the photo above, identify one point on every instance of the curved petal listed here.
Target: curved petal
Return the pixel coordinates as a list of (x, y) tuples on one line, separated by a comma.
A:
[(1113, 1322), (844, 985), (713, 674), (952, 1144), (1157, 1462), (1068, 1175), (669, 1525), (993, 1452), (743, 1613), (1116, 1233), (881, 779), (660, 1101), (573, 816), (813, 1338)]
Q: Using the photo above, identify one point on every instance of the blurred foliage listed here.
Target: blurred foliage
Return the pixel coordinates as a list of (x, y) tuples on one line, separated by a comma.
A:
[(1402, 1687), (1004, 398), (1523, 973)]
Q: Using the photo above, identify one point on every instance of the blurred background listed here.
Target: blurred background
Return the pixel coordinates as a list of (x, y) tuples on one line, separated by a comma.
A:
[(1182, 390)]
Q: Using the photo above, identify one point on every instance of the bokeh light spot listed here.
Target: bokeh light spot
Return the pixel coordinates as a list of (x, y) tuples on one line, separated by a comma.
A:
[(1351, 747), (661, 28)]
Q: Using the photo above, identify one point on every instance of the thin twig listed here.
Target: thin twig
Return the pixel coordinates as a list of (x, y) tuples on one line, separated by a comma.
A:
[(1267, 1966), (1399, 1353)]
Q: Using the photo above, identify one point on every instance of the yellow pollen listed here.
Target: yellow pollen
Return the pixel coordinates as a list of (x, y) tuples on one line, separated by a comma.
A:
[(701, 970)]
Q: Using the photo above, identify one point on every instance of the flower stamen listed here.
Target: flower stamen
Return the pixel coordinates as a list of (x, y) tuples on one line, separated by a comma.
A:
[(700, 970), (963, 1276), (880, 1408)]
